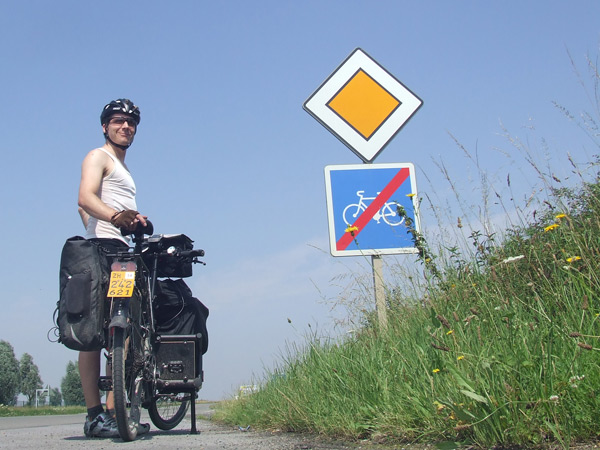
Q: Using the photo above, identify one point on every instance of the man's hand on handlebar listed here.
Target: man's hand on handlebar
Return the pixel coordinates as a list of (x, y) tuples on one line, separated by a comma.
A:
[(128, 220)]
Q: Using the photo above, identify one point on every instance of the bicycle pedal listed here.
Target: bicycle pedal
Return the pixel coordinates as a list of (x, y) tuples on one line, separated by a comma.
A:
[(105, 384)]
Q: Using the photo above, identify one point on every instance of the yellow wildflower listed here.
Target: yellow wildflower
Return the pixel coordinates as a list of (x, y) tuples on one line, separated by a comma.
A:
[(450, 332), (551, 227), (436, 370), (351, 229), (560, 216), (461, 357), (573, 259)]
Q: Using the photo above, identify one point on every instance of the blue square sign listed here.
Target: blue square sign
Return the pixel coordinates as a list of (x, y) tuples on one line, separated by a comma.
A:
[(363, 202)]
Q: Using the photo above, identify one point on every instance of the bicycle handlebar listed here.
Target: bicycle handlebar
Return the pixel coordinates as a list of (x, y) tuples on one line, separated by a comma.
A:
[(190, 253), (170, 252), (140, 230)]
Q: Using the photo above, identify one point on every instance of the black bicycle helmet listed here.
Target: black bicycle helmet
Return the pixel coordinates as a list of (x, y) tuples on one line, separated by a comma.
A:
[(122, 105)]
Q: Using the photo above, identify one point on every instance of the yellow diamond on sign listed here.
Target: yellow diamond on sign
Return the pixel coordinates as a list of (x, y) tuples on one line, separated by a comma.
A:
[(364, 104)]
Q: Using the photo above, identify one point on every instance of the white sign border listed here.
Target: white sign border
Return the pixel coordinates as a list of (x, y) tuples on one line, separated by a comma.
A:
[(367, 150), (331, 218)]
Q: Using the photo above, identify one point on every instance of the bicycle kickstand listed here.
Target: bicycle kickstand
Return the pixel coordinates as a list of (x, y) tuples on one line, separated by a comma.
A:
[(193, 413)]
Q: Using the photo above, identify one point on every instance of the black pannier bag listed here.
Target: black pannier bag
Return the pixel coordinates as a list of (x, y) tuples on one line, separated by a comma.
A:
[(170, 266), (182, 337), (83, 278), (178, 312)]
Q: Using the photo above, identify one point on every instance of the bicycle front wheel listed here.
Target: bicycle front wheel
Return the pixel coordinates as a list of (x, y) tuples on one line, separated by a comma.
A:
[(127, 382), (167, 411)]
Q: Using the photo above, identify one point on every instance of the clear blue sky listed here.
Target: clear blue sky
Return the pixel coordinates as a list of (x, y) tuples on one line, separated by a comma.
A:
[(226, 154)]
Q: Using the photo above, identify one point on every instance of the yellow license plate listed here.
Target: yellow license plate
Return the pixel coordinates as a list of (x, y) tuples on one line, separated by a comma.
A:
[(121, 284)]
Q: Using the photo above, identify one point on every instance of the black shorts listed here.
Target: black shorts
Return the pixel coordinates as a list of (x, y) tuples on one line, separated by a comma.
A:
[(110, 246)]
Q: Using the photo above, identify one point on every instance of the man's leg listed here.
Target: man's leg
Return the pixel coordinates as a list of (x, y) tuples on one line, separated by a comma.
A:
[(89, 371), (98, 423), (110, 399)]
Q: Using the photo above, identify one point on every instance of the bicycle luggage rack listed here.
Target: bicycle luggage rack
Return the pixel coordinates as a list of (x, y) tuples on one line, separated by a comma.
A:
[(179, 364)]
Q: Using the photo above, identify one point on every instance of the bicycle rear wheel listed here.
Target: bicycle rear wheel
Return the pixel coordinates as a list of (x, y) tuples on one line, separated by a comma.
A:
[(167, 411), (127, 382)]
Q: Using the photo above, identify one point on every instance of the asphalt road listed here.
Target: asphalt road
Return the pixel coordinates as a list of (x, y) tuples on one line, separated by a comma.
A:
[(66, 432)]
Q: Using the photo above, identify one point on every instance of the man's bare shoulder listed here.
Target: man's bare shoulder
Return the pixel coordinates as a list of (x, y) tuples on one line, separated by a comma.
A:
[(98, 159), (97, 153)]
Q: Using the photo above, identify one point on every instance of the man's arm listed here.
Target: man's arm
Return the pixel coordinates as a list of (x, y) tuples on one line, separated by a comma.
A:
[(93, 168), (84, 216)]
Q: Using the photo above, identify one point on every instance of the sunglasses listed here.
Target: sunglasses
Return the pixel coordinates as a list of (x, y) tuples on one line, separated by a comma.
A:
[(120, 120)]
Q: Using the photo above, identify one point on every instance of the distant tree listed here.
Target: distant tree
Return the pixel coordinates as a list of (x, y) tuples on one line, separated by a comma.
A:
[(30, 377), (55, 397), (9, 374), (71, 386)]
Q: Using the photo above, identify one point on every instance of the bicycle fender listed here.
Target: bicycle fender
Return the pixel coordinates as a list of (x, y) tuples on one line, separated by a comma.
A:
[(119, 320)]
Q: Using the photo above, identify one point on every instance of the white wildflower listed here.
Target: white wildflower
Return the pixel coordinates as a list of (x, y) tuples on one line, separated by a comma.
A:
[(513, 258), (575, 379)]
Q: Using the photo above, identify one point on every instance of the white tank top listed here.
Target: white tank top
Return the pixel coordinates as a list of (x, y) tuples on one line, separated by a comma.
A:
[(117, 190)]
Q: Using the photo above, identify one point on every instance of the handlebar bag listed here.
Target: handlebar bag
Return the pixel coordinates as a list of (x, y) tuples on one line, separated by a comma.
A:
[(83, 279), (171, 266)]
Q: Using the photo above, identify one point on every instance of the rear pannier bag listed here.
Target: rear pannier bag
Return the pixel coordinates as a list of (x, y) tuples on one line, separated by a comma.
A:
[(83, 279), (178, 312)]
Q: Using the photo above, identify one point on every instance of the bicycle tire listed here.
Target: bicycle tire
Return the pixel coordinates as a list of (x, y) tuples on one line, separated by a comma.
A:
[(167, 411), (127, 385)]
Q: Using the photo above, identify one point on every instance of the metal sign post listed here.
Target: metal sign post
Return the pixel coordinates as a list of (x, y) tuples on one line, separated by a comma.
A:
[(380, 303), (365, 106)]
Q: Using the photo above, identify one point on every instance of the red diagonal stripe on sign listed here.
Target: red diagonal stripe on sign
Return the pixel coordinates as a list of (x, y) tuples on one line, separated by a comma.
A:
[(375, 205)]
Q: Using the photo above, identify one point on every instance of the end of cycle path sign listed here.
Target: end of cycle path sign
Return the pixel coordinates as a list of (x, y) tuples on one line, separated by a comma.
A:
[(363, 105), (362, 208)]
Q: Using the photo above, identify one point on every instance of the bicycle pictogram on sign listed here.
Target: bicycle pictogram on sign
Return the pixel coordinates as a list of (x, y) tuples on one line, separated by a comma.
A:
[(388, 212)]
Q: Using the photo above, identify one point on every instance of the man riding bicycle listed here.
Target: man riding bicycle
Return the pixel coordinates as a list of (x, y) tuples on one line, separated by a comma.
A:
[(106, 205)]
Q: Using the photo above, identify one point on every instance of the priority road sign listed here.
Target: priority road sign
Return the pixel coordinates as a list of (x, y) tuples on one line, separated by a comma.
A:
[(363, 105), (363, 209)]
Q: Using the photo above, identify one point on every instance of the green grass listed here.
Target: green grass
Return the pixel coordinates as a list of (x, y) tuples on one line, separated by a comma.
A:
[(13, 411)]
